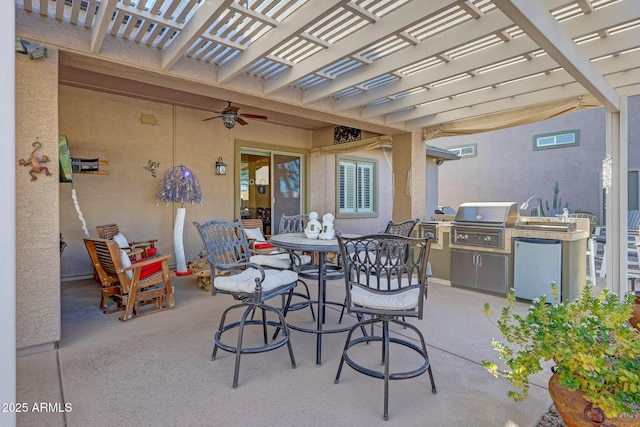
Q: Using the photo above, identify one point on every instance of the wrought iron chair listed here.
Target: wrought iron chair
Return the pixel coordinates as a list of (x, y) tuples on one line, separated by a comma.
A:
[(131, 284), (234, 273), (296, 224), (385, 277), (404, 228)]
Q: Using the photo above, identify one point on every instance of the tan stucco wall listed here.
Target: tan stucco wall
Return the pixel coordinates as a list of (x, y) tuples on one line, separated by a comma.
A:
[(108, 127), (323, 191), (37, 247)]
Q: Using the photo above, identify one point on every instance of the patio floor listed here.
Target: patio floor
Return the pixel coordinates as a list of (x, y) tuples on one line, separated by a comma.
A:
[(156, 371)]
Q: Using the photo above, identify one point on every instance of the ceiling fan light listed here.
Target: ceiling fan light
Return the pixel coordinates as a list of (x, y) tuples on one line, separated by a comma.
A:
[(229, 118)]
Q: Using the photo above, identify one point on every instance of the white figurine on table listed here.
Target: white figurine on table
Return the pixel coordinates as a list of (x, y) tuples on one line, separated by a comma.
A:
[(328, 232), (313, 228)]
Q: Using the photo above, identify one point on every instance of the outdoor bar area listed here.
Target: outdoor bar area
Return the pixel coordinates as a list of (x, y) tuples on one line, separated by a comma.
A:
[(485, 254)]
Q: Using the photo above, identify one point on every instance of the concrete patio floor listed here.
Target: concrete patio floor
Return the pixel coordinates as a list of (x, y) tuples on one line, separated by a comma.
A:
[(156, 371)]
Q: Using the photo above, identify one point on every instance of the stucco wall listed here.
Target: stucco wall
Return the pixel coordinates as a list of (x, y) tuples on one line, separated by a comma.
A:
[(323, 186), (37, 247), (507, 168), (106, 126)]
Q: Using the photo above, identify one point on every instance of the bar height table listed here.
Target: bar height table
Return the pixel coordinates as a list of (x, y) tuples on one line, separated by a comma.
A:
[(299, 242)]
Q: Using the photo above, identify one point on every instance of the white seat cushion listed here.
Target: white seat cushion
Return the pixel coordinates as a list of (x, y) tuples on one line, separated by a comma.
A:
[(404, 300), (126, 262), (121, 240), (254, 234), (281, 261), (245, 281)]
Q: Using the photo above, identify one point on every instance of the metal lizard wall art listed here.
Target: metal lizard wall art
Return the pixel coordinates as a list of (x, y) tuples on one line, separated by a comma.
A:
[(35, 163)]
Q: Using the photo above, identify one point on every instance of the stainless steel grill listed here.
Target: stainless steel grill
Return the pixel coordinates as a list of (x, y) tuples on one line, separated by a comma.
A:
[(483, 223)]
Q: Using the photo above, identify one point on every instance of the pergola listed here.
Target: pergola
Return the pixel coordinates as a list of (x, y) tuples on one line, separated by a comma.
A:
[(438, 67), (426, 67)]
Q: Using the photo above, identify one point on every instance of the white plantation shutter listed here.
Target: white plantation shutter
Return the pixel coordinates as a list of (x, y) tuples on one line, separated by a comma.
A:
[(356, 186), (365, 187), (347, 186)]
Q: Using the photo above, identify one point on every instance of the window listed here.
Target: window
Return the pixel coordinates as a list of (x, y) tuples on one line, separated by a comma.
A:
[(468, 150), (556, 140), (357, 186)]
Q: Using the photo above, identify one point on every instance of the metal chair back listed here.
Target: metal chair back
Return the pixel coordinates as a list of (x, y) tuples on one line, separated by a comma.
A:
[(385, 265), (293, 223), (404, 228), (226, 244)]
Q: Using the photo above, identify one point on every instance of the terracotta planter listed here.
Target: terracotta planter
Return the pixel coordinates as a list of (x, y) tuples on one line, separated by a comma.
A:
[(635, 314), (577, 412)]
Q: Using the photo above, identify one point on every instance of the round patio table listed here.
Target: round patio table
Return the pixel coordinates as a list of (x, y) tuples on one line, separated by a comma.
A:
[(299, 242)]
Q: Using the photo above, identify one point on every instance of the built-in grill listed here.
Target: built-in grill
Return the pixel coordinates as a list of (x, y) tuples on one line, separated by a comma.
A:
[(483, 223), (484, 267)]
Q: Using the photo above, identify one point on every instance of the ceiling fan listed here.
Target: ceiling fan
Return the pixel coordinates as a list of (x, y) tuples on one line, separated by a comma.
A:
[(230, 116)]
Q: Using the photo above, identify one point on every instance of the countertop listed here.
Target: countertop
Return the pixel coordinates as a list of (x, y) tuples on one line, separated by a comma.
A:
[(582, 232)]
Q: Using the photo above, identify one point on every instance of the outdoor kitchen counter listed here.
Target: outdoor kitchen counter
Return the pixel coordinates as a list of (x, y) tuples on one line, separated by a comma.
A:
[(574, 245), (582, 232)]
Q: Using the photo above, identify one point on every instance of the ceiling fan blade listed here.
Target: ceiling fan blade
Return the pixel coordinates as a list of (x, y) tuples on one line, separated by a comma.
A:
[(232, 108), (241, 121), (254, 116), (211, 118)]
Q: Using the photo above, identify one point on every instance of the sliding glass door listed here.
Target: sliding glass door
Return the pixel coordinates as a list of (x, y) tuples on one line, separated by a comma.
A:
[(270, 185)]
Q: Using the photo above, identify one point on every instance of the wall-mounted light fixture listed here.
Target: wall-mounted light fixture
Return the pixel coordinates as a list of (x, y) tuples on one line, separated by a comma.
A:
[(34, 50), (221, 168)]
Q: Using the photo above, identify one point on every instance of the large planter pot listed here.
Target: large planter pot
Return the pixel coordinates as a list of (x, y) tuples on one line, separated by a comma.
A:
[(635, 314), (577, 412)]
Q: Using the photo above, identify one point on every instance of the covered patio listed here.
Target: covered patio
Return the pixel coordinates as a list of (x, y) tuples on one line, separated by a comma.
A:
[(156, 370), (399, 71)]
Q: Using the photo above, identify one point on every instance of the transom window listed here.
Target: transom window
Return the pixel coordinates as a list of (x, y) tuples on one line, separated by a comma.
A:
[(555, 140), (357, 183)]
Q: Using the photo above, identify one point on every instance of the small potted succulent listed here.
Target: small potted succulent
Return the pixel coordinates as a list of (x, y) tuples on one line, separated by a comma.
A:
[(595, 351)]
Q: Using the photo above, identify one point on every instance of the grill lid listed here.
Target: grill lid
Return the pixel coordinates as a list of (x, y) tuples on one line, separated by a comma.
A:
[(488, 213)]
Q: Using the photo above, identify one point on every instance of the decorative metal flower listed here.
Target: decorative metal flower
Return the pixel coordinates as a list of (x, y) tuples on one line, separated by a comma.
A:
[(179, 185)]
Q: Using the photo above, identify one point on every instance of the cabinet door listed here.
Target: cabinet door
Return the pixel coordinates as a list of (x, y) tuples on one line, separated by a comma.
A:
[(463, 268), (492, 272)]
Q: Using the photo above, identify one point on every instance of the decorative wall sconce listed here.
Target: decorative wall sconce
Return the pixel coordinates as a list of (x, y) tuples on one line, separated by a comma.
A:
[(221, 168), (151, 167)]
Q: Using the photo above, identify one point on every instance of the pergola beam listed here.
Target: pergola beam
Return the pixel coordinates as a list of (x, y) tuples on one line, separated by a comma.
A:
[(393, 22), (540, 26), (493, 78), (101, 25), (520, 46), (405, 57), (193, 30), (295, 24), (524, 100)]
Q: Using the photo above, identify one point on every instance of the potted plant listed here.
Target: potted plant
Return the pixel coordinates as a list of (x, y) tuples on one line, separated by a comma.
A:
[(635, 312), (594, 348)]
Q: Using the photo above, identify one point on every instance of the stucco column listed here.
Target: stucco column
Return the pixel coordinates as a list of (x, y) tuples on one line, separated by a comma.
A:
[(37, 202), (409, 177)]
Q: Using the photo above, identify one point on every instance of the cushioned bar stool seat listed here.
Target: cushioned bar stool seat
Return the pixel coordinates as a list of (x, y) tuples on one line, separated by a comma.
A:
[(251, 284), (385, 278)]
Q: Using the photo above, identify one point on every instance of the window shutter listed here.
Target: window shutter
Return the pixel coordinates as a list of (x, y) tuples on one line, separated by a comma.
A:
[(365, 187), (347, 187)]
